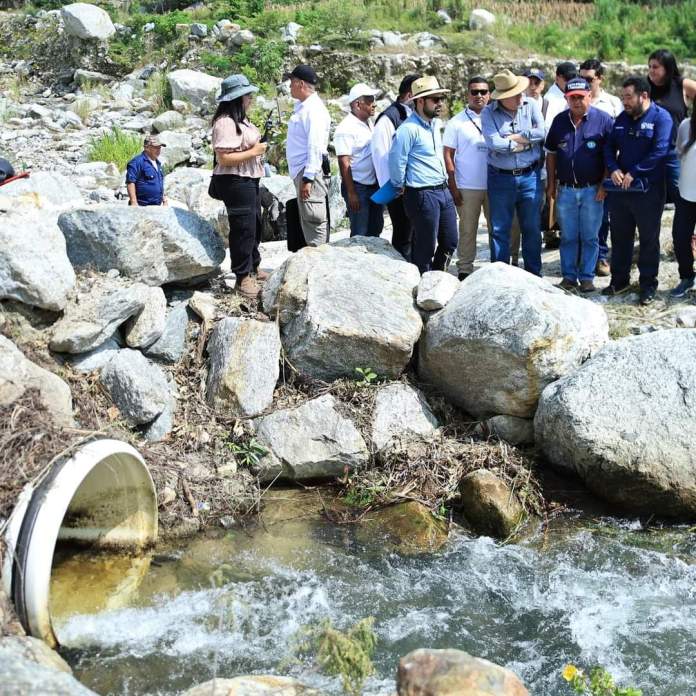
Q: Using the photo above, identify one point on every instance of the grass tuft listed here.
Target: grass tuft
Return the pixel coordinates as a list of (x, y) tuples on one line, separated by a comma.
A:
[(117, 146)]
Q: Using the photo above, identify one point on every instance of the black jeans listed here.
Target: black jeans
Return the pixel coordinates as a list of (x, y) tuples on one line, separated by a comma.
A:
[(682, 229), (241, 197), (402, 230)]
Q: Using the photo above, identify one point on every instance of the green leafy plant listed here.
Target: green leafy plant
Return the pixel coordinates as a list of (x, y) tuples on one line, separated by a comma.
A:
[(598, 682), (347, 655), (117, 146), (367, 376), (247, 453)]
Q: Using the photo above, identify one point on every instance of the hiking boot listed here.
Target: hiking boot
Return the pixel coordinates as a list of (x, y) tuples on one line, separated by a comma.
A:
[(568, 285), (602, 269), (463, 276), (261, 275), (587, 286), (247, 287), (647, 296), (685, 284), (612, 290)]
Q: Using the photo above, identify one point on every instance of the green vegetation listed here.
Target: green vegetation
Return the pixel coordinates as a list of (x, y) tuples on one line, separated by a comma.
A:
[(247, 454), (159, 92), (347, 655), (117, 146), (366, 376), (597, 683)]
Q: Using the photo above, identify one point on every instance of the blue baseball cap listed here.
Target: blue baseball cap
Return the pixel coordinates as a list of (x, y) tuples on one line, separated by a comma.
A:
[(578, 85), (534, 72)]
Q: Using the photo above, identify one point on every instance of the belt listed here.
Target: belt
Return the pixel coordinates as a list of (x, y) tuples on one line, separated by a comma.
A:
[(578, 186), (516, 172), (428, 188)]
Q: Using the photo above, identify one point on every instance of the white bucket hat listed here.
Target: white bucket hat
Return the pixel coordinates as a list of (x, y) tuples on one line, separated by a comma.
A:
[(361, 90)]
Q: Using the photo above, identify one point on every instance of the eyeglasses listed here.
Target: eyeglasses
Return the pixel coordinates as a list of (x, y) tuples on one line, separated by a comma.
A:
[(589, 79), (478, 92)]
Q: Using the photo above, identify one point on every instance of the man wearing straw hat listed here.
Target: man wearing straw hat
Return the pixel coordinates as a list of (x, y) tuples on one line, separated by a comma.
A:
[(513, 128), (416, 167)]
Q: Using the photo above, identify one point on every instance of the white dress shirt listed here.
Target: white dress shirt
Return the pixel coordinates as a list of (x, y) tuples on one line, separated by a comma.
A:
[(308, 137), (556, 104), (382, 138), (608, 103), (464, 135), (353, 138)]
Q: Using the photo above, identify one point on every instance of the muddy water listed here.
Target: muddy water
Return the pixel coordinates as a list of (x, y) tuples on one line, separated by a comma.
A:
[(588, 591)]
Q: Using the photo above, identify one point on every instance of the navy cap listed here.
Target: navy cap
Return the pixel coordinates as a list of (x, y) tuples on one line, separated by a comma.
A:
[(303, 72), (578, 85), (534, 72)]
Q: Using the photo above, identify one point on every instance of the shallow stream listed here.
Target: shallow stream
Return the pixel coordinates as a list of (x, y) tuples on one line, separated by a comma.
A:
[(587, 590)]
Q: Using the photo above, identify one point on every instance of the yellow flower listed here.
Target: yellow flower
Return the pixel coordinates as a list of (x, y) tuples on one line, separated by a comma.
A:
[(570, 672)]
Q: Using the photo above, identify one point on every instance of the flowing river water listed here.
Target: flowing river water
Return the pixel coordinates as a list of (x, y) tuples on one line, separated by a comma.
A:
[(586, 590)]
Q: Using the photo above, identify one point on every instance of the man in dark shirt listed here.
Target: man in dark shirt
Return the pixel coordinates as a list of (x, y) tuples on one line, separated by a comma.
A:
[(635, 155), (575, 167), (144, 176)]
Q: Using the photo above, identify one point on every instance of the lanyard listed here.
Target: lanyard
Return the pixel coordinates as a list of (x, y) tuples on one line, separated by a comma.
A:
[(476, 125)]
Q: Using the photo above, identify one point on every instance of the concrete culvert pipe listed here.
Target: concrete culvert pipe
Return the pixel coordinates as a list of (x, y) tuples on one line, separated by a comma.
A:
[(102, 496)]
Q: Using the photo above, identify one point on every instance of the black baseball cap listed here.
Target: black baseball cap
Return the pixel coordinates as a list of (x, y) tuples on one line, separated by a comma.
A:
[(566, 70), (303, 72)]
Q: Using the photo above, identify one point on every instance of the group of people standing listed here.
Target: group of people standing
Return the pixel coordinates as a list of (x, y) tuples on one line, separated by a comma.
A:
[(601, 163)]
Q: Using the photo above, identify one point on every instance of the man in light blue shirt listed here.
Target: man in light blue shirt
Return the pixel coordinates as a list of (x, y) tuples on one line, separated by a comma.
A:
[(416, 167), (513, 128)]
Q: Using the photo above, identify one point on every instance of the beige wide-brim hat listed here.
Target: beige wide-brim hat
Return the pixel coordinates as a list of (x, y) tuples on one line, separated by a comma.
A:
[(507, 84), (425, 87)]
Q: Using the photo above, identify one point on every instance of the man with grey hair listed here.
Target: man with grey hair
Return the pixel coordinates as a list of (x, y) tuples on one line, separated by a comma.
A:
[(144, 175)]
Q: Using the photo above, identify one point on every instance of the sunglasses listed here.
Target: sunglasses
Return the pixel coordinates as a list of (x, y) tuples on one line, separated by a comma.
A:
[(478, 92), (437, 100)]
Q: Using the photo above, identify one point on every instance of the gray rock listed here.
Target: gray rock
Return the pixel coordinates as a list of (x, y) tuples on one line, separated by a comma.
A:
[(178, 148), (88, 77), (425, 39), (252, 685), (17, 374), (503, 337), (45, 190), (146, 327), (344, 306), (170, 346), (34, 266), (104, 173), (290, 32), (95, 359), (196, 88), (139, 124), (38, 111), (154, 244), (87, 21), (480, 20), (392, 38), (161, 426), (311, 441), (244, 366), (92, 316), (29, 667), (686, 318), (199, 30), (400, 410), (136, 385), (436, 289), (444, 17), (242, 37), (516, 431), (168, 121), (624, 423)]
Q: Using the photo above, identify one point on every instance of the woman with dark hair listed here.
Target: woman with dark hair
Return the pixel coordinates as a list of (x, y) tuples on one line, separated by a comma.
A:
[(685, 213), (238, 151), (671, 91)]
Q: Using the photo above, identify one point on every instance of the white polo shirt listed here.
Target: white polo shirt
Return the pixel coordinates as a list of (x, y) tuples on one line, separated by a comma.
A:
[(353, 138), (463, 134), (557, 103)]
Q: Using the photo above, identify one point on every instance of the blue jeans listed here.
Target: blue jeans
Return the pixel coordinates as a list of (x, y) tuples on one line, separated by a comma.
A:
[(369, 220), (604, 233), (626, 212), (580, 216), (434, 221), (508, 194)]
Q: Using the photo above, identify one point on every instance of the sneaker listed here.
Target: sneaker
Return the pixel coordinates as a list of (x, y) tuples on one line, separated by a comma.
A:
[(587, 286), (685, 284), (568, 285), (463, 276), (612, 290), (647, 295), (261, 275), (602, 270), (247, 287)]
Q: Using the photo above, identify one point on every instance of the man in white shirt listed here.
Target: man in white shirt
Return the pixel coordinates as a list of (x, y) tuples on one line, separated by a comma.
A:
[(465, 153), (385, 128), (307, 145), (555, 97), (352, 141)]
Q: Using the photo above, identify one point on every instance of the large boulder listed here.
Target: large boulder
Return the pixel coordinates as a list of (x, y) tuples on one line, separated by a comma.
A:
[(95, 312), (480, 20), (196, 88), (310, 441), (624, 422), (253, 685), (177, 150), (18, 374), (346, 305), (454, 673), (45, 190), (146, 327), (168, 121), (153, 244), (87, 21), (34, 267), (503, 337), (244, 365), (171, 344)]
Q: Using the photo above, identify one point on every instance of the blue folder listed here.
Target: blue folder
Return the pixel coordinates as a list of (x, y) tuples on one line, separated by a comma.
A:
[(385, 195)]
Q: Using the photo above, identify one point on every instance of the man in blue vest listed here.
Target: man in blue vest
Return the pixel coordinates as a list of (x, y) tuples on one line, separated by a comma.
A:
[(144, 176), (635, 155)]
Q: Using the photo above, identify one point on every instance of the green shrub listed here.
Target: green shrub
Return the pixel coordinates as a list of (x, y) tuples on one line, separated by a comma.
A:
[(159, 92), (117, 146)]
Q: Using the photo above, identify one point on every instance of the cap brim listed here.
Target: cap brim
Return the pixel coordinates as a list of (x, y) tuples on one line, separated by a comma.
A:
[(250, 89), (430, 93), (583, 92)]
